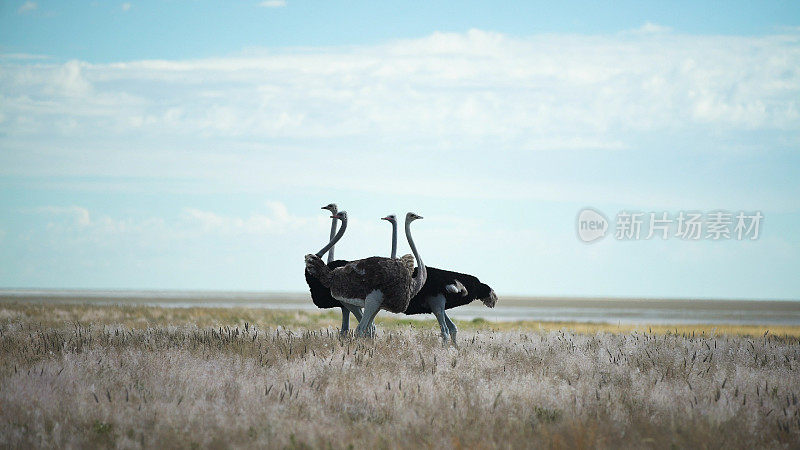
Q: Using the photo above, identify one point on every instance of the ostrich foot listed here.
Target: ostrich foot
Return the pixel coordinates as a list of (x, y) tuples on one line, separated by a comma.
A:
[(366, 331), (368, 334)]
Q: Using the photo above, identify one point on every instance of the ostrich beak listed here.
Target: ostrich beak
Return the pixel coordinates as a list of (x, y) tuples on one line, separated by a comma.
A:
[(334, 217), (385, 218)]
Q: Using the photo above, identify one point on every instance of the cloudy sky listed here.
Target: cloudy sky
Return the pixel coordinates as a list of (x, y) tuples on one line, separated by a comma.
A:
[(190, 144)]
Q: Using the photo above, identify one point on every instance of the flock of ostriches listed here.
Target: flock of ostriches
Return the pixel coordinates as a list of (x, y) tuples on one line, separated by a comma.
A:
[(393, 284)]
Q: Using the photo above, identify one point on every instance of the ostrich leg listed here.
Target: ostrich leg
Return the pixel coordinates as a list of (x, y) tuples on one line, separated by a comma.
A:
[(437, 306), (452, 328), (372, 304), (345, 321), (346, 310)]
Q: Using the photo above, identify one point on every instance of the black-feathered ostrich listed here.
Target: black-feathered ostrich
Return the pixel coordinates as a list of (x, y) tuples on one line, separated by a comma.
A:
[(443, 290), (321, 295), (374, 283)]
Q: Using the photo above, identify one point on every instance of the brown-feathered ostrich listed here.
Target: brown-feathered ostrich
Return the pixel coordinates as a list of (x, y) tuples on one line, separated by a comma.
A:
[(373, 283), (443, 290), (320, 295)]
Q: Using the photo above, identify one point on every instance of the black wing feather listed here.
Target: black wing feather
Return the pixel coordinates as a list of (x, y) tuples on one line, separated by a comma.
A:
[(320, 294), (436, 284)]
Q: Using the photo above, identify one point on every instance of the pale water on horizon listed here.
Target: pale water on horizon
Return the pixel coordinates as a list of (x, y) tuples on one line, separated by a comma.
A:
[(614, 311)]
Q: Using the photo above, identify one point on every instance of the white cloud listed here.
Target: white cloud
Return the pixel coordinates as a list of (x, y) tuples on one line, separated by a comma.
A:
[(273, 4), (126, 6), (543, 92), (80, 215), (27, 6), (272, 119), (69, 80), (651, 28), (22, 56), (276, 220), (78, 224)]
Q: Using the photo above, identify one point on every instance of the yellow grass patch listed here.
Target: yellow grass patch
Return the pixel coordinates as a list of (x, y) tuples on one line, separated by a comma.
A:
[(144, 316)]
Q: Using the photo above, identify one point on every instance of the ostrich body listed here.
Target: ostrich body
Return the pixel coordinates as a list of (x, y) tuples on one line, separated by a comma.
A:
[(320, 295), (375, 283), (444, 289)]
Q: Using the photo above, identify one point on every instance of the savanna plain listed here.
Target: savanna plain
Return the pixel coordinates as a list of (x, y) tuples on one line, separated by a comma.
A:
[(75, 376)]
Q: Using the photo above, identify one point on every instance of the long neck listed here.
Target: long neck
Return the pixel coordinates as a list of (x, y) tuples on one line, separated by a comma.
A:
[(334, 240), (333, 234), (422, 273), (394, 240)]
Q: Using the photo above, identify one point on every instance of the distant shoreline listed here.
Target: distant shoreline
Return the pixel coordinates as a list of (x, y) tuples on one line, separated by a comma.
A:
[(179, 294), (629, 311)]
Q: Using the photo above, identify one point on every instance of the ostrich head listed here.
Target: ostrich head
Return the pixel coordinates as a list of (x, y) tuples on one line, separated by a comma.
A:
[(486, 294), (391, 218), (410, 217), (491, 299), (331, 207)]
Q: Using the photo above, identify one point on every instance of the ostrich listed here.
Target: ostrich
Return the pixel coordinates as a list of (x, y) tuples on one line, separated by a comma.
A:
[(322, 295), (443, 290), (375, 283)]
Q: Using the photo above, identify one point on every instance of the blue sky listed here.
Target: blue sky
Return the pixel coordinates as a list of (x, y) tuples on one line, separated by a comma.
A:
[(102, 31), (189, 145)]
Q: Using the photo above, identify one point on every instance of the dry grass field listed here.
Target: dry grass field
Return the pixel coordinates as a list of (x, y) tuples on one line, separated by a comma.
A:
[(130, 377)]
